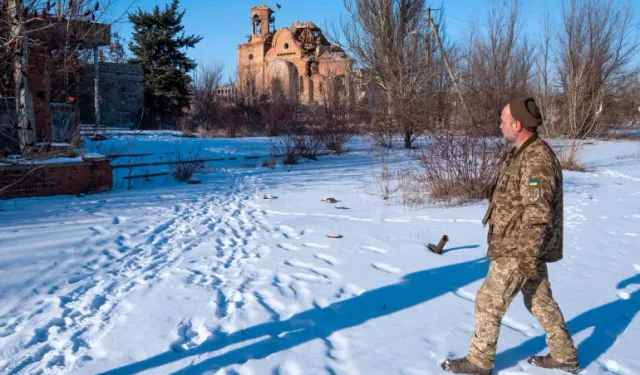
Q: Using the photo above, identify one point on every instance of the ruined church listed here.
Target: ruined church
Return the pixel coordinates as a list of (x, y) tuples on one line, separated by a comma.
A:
[(297, 61)]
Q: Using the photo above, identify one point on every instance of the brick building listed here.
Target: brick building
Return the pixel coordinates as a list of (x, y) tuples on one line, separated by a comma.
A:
[(297, 61), (226, 92)]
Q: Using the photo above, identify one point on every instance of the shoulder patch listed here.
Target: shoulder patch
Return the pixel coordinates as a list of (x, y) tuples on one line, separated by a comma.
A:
[(533, 181)]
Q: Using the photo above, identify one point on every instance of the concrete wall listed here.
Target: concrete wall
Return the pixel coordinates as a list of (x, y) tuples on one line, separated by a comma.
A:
[(121, 92)]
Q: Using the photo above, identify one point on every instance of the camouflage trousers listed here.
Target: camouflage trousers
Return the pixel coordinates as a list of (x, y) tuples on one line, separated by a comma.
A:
[(502, 284)]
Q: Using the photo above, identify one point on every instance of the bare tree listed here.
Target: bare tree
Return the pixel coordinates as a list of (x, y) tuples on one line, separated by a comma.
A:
[(205, 105), (335, 118), (387, 37), (498, 63), (596, 47), (544, 75)]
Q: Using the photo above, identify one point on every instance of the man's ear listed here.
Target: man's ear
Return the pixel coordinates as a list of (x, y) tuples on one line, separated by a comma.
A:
[(518, 126)]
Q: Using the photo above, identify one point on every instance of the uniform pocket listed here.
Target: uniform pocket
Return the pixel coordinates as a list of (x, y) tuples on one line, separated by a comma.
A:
[(504, 181), (515, 218)]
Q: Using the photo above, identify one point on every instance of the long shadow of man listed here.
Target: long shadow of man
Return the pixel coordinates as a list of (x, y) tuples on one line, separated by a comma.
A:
[(303, 327), (609, 322)]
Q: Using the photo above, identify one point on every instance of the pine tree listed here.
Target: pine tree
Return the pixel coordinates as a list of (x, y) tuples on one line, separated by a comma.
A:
[(158, 40)]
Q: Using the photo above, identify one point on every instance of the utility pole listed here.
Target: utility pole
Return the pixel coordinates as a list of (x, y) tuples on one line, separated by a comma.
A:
[(428, 37), (96, 89), (434, 29)]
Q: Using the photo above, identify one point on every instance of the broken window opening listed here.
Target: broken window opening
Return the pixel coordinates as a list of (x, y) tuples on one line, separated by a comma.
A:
[(256, 24), (301, 88)]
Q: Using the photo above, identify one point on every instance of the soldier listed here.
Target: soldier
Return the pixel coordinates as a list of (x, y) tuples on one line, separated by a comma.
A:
[(525, 233)]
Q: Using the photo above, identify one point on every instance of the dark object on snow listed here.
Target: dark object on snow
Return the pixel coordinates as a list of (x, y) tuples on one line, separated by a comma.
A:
[(438, 249), (193, 181), (98, 137)]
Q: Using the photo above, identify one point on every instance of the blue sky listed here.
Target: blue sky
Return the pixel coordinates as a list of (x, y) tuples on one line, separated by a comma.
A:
[(224, 24)]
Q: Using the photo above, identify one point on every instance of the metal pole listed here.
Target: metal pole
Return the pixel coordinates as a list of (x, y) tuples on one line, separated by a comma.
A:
[(96, 87)]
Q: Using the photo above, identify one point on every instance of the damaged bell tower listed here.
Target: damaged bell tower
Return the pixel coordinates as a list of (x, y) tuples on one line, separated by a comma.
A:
[(297, 61), (262, 21)]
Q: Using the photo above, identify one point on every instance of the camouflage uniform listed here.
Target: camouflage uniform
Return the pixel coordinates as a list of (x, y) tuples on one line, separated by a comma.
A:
[(525, 233)]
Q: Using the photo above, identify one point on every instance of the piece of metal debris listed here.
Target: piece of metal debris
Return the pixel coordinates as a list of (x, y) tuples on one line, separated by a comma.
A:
[(438, 249)]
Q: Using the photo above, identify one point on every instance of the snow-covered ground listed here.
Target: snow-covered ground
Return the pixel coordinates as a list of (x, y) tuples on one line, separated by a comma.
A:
[(174, 278)]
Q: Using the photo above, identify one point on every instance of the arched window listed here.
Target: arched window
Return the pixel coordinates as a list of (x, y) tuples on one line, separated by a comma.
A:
[(256, 24)]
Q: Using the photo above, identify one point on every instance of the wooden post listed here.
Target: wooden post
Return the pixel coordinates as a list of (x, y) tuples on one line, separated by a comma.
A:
[(450, 71), (428, 40)]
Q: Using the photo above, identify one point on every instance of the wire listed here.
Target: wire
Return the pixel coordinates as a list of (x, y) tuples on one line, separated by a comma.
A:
[(467, 21)]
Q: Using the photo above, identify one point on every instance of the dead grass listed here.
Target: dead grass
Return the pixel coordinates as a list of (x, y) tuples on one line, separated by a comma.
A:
[(248, 163), (572, 165), (631, 155), (413, 188), (383, 179)]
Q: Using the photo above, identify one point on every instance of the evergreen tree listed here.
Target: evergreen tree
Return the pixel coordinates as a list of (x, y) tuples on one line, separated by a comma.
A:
[(158, 40)]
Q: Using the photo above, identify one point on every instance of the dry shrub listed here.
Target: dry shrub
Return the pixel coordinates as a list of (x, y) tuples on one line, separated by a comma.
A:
[(269, 162), (187, 166), (293, 147), (412, 185), (460, 169), (571, 164), (568, 156), (307, 146), (382, 131), (184, 171), (286, 148)]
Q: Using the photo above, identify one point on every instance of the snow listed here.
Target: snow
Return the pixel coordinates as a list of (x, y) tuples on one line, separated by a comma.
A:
[(57, 160), (54, 144), (173, 278)]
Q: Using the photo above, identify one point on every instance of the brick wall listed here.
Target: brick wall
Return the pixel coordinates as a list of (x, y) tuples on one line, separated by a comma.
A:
[(121, 93), (53, 179)]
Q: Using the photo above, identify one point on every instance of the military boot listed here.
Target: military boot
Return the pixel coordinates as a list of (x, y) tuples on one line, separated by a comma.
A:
[(463, 366), (548, 362)]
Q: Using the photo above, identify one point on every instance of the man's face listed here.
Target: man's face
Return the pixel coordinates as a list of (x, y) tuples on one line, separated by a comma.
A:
[(508, 125)]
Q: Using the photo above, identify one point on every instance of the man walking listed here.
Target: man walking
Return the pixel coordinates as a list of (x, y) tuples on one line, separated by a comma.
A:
[(525, 233)]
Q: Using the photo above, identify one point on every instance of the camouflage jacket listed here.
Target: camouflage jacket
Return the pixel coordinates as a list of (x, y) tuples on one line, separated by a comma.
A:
[(525, 205)]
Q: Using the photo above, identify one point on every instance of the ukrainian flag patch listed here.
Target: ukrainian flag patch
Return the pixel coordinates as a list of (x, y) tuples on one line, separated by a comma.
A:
[(533, 181)]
